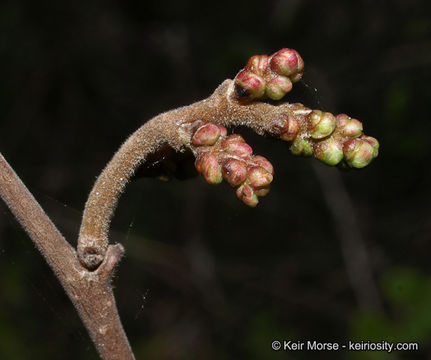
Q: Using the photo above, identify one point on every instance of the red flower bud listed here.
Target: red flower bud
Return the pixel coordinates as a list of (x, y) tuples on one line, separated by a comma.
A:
[(258, 177), (246, 194), (290, 129), (257, 64), (263, 162), (373, 142), (209, 167), (249, 85), (235, 145), (234, 171), (207, 134), (287, 62), (348, 126), (223, 130)]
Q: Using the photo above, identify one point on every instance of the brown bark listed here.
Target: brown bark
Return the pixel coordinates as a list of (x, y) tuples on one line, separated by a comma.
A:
[(90, 292)]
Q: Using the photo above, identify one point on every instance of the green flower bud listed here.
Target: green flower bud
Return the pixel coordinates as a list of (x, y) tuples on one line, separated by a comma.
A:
[(235, 145), (249, 85), (322, 124), (209, 167), (301, 146), (257, 64), (207, 134), (329, 151), (277, 87), (348, 126), (286, 62), (373, 142), (246, 194), (258, 177), (263, 162), (358, 153), (234, 171)]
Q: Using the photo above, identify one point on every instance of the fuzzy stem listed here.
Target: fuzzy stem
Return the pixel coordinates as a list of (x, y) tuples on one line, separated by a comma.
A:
[(173, 128)]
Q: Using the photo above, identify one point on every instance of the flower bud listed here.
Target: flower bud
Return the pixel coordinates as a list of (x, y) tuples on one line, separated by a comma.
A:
[(373, 142), (301, 146), (207, 134), (329, 151), (358, 153), (246, 194), (235, 145), (223, 130), (322, 124), (286, 62), (263, 162), (249, 85), (295, 78), (290, 129), (209, 167), (277, 87), (258, 177), (234, 171), (257, 64), (348, 126), (262, 191)]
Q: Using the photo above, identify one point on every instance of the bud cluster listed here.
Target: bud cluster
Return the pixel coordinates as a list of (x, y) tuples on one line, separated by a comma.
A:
[(269, 76), (331, 139), (219, 157)]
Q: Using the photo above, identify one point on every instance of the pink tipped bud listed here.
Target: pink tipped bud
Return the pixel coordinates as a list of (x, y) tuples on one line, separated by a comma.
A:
[(249, 85), (329, 151), (348, 126), (277, 87), (246, 194), (290, 129), (234, 172), (322, 124), (209, 167), (301, 146), (258, 177), (358, 153), (236, 146), (373, 142), (207, 134), (287, 62), (257, 64), (263, 162)]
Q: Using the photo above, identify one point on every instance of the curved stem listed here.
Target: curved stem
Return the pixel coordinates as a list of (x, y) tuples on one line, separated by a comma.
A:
[(174, 128)]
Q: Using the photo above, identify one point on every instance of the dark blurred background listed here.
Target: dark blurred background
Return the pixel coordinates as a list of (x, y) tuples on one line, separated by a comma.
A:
[(329, 256)]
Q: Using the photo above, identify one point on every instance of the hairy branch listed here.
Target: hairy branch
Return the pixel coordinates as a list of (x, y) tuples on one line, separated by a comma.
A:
[(252, 100)]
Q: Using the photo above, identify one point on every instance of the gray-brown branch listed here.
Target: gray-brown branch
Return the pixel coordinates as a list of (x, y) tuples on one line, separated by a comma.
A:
[(90, 292)]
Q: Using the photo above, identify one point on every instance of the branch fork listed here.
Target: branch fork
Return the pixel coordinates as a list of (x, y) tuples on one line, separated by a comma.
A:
[(252, 99)]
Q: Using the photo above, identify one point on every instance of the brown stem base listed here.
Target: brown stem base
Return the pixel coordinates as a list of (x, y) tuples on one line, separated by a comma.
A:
[(90, 292)]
